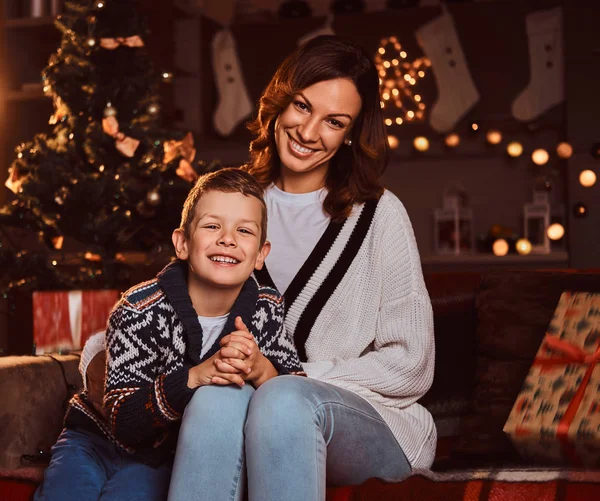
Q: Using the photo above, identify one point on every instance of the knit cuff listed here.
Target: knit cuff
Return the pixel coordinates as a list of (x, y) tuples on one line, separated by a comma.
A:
[(176, 391)]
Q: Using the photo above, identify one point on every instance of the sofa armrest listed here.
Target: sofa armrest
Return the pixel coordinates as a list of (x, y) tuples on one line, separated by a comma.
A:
[(34, 392)]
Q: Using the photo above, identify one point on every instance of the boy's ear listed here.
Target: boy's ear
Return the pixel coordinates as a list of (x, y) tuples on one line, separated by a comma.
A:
[(180, 244), (262, 255)]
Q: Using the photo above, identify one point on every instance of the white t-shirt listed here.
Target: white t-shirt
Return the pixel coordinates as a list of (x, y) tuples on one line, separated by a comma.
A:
[(211, 329), (296, 223)]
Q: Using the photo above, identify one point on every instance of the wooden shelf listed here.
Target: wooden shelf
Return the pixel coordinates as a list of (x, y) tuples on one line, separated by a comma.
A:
[(28, 22), (481, 258)]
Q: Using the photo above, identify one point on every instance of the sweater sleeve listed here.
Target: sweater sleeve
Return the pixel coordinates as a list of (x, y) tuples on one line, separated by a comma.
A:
[(142, 399), (272, 337), (398, 370)]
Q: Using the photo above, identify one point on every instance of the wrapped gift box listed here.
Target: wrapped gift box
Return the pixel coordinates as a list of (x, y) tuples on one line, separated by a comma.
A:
[(64, 320), (556, 417)]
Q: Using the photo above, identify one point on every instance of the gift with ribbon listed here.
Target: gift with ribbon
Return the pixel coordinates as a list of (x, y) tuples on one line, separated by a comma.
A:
[(556, 417), (64, 320)]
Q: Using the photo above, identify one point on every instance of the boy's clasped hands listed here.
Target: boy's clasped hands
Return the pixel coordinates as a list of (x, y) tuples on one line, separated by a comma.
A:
[(239, 360)]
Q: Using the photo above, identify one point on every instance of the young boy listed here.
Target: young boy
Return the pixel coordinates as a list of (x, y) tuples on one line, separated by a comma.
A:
[(86, 465), (203, 320)]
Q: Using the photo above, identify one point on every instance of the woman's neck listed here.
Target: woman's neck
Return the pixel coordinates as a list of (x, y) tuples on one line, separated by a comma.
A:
[(304, 182)]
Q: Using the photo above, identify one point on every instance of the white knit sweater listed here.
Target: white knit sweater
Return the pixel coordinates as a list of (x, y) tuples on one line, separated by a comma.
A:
[(361, 317)]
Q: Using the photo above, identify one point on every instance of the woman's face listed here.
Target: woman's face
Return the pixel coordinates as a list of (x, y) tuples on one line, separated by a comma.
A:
[(311, 130)]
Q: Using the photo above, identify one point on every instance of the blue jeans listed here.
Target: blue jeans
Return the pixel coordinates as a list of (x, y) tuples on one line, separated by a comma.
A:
[(292, 437), (86, 467)]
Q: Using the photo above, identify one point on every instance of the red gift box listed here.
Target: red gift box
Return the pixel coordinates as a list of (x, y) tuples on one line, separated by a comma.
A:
[(64, 320)]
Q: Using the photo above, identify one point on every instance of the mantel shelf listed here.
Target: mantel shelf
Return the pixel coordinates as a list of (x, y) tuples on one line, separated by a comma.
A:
[(512, 259)]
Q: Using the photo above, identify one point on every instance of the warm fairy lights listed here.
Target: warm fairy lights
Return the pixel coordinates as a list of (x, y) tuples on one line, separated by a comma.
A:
[(493, 137), (523, 246), (421, 143), (500, 247), (452, 140), (540, 156), (555, 231), (587, 178), (397, 78), (514, 149), (564, 150)]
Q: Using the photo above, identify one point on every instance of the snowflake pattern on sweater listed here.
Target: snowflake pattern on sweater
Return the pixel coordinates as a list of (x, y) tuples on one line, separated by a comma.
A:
[(154, 338)]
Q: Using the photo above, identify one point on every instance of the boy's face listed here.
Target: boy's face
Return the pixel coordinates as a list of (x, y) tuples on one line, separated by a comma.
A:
[(224, 245)]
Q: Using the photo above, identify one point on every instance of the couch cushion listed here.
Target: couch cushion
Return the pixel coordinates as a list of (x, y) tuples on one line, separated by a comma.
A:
[(513, 310), (35, 392)]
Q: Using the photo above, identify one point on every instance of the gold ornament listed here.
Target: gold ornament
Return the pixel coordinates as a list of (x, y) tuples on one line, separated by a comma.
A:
[(153, 197), (110, 111)]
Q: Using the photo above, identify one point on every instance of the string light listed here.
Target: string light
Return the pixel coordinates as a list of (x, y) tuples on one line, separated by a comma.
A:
[(500, 247), (452, 140), (514, 149), (540, 156), (555, 231), (398, 79), (494, 137), (421, 143), (564, 150), (393, 142), (523, 246), (587, 178)]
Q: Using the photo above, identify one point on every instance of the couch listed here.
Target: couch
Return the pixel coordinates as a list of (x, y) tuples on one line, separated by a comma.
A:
[(488, 328)]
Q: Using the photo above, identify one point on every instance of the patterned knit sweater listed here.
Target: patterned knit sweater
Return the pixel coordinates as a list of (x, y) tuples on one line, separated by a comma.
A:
[(361, 318), (154, 338)]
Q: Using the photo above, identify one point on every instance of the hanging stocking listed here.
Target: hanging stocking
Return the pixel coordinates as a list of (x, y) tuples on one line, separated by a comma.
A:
[(457, 93), (546, 84), (234, 101), (326, 29)]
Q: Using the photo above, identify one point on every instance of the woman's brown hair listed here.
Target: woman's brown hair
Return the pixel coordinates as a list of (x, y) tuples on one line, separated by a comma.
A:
[(354, 174)]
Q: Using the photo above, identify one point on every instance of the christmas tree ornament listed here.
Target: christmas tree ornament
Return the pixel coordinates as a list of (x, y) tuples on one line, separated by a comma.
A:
[(110, 111), (174, 148), (234, 103), (110, 126), (127, 145), (457, 93), (546, 65), (153, 197)]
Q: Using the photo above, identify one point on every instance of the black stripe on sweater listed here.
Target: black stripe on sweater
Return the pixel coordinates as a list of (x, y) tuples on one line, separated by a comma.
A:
[(312, 263), (324, 292)]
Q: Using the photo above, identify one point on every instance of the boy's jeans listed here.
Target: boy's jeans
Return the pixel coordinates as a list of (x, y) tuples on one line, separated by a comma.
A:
[(85, 466), (299, 435)]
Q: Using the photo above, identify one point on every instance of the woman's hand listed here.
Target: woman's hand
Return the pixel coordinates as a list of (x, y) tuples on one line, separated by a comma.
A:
[(240, 353)]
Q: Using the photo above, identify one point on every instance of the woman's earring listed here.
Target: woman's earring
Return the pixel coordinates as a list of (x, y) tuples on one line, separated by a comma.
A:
[(348, 142)]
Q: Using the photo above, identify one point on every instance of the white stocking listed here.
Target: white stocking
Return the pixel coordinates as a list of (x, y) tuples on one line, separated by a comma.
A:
[(234, 101), (546, 84), (457, 93)]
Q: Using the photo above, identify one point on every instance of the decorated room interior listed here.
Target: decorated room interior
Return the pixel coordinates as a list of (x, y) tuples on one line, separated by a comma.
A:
[(112, 109)]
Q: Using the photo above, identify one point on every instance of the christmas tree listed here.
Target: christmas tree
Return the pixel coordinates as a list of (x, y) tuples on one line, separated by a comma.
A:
[(107, 176)]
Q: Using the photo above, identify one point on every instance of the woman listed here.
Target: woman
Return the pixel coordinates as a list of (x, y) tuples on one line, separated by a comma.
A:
[(345, 258)]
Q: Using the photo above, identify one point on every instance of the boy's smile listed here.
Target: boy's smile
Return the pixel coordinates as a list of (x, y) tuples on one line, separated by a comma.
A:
[(223, 248)]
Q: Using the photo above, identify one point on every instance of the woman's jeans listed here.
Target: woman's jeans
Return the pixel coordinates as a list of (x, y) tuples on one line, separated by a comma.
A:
[(293, 437), (87, 467)]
